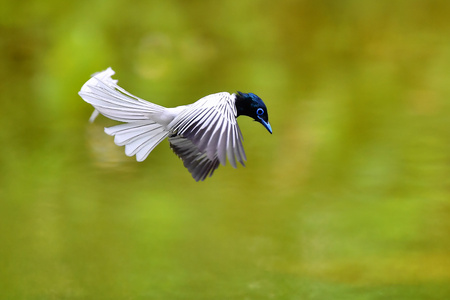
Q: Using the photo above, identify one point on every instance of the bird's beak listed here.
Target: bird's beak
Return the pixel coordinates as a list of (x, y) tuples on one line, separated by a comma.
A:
[(265, 124)]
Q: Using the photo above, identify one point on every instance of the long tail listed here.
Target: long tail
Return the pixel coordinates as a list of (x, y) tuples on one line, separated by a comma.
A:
[(140, 135)]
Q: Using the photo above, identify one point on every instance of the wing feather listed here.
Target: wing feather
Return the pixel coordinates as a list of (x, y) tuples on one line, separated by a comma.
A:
[(197, 163), (222, 147), (210, 124), (230, 147)]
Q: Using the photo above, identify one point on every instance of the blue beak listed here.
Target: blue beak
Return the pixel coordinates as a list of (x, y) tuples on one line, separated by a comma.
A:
[(265, 124)]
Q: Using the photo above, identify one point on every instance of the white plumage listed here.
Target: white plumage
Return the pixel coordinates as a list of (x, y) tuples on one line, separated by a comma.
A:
[(202, 134)]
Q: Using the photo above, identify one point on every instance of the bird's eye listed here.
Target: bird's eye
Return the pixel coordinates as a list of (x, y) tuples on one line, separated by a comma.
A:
[(259, 111)]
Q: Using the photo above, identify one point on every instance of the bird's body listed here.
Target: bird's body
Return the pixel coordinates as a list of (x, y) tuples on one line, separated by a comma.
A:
[(203, 134)]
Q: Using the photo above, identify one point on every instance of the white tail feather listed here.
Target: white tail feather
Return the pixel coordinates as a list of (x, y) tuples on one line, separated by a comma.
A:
[(139, 138), (140, 135), (112, 101)]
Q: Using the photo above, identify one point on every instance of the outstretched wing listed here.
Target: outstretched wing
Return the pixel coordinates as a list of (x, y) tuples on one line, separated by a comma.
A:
[(211, 128), (198, 163)]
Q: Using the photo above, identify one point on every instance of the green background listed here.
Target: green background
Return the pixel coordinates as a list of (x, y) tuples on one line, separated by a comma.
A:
[(348, 199)]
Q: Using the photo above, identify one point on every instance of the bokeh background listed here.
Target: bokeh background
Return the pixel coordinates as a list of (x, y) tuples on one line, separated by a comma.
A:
[(348, 199)]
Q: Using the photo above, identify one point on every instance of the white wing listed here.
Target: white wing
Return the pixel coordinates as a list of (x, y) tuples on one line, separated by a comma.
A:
[(211, 127)]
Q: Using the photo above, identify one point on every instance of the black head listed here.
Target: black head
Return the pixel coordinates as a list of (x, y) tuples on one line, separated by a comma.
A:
[(248, 104)]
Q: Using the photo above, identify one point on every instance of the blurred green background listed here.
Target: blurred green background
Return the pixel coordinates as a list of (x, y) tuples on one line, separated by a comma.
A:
[(348, 199)]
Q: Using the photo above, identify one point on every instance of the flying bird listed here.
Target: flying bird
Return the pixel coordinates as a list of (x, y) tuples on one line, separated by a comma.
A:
[(202, 134)]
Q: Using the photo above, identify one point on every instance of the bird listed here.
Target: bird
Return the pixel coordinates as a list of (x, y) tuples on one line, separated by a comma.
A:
[(203, 134)]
